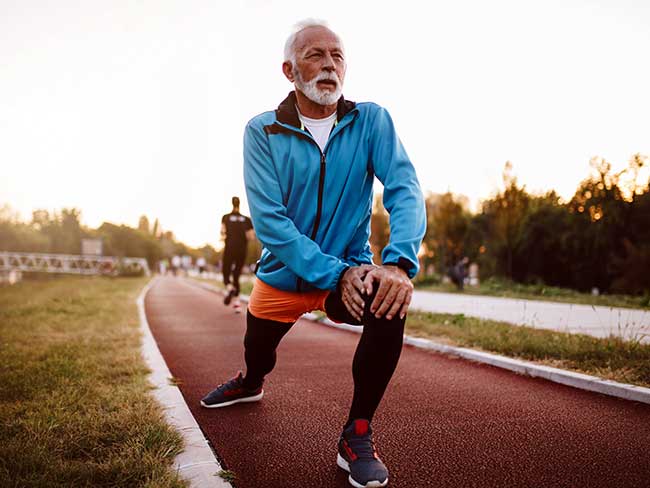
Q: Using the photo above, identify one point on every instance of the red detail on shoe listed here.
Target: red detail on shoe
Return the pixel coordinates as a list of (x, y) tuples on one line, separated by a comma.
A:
[(360, 427), (349, 452), (236, 391)]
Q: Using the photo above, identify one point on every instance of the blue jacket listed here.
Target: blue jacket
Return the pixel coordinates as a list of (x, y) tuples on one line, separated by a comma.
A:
[(311, 209)]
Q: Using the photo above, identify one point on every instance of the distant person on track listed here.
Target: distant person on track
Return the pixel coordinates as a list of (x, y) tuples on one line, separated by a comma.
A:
[(458, 273), (309, 168), (201, 264), (176, 264), (236, 230)]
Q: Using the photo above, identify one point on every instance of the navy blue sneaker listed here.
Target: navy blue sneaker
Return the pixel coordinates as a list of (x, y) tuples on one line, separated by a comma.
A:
[(358, 457), (231, 392)]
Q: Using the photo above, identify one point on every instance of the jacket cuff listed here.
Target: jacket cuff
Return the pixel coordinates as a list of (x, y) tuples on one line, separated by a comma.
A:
[(403, 264), (338, 282)]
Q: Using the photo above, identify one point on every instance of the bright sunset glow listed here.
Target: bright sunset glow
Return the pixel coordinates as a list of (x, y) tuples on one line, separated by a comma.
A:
[(126, 108)]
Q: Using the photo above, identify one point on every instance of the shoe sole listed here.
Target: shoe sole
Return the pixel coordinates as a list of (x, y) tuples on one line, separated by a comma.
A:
[(255, 398), (344, 465)]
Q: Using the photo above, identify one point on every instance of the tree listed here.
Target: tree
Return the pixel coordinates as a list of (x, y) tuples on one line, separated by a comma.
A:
[(447, 224), (143, 225), (631, 270), (542, 252), (62, 230), (505, 212), (121, 240), (599, 226), (156, 230), (18, 236), (379, 228), (211, 255)]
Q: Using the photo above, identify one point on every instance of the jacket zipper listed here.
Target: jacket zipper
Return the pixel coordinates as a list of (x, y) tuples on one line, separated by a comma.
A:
[(319, 208), (321, 187)]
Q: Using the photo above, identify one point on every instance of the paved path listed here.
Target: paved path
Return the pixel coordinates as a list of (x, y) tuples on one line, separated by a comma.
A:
[(444, 421), (566, 317)]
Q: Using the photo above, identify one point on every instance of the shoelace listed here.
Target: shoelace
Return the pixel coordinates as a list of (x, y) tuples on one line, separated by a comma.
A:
[(231, 384), (362, 446)]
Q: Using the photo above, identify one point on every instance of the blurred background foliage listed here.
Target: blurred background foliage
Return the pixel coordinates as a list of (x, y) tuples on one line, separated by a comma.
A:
[(61, 233), (599, 238)]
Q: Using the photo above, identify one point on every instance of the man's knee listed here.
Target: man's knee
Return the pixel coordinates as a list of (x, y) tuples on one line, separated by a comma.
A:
[(369, 316), (368, 299)]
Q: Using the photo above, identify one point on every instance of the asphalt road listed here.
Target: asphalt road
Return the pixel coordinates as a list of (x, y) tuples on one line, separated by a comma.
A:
[(444, 422)]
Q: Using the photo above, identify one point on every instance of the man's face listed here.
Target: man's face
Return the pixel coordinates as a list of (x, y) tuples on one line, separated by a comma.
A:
[(319, 68)]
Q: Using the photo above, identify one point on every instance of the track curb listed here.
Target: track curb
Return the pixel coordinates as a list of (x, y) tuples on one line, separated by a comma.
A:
[(197, 463), (562, 376)]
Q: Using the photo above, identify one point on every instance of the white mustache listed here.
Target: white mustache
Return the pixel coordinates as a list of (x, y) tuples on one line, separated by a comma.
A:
[(330, 76)]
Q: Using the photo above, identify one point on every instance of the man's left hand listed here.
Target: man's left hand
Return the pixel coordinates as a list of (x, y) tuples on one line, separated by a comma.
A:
[(394, 292)]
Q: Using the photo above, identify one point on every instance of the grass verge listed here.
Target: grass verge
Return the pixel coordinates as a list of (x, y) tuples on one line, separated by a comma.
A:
[(612, 358), (74, 399), (508, 289)]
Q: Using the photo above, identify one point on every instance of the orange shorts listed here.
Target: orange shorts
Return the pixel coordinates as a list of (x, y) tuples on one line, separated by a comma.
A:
[(270, 303)]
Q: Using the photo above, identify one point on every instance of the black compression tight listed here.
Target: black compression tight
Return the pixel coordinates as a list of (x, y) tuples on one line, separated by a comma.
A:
[(260, 342), (374, 362)]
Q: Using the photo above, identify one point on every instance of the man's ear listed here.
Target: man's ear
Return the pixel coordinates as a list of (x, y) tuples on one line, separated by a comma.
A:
[(287, 69)]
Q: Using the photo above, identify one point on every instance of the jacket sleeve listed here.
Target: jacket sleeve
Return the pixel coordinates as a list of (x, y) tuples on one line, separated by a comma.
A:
[(273, 227), (358, 251), (402, 194)]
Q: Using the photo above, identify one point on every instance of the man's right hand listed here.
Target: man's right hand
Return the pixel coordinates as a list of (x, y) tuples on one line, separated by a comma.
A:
[(352, 289)]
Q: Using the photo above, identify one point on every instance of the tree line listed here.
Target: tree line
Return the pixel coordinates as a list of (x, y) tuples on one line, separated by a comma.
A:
[(61, 232), (599, 238)]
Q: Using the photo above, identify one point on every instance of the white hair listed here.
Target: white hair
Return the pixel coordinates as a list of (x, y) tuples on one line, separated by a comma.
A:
[(289, 46)]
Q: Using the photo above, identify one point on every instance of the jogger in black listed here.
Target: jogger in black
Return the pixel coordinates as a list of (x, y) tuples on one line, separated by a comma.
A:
[(233, 261), (237, 231)]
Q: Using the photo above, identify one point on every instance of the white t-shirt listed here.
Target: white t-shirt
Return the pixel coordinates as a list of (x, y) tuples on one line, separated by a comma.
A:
[(319, 128)]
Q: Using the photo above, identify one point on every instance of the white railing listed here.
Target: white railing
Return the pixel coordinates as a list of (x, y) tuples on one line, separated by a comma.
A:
[(71, 264)]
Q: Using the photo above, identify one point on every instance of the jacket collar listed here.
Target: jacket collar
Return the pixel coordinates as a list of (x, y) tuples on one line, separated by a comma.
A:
[(287, 113)]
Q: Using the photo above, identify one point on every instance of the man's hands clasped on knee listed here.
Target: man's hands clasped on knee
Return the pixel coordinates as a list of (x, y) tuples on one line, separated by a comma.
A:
[(393, 296), (394, 293), (352, 289)]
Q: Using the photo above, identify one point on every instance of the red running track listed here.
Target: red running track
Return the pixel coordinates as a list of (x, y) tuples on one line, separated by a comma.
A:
[(444, 422)]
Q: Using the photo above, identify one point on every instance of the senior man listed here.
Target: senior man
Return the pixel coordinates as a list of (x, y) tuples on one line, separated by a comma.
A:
[(309, 168)]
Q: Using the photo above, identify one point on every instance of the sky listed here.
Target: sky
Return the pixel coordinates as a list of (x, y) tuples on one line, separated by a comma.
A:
[(123, 108)]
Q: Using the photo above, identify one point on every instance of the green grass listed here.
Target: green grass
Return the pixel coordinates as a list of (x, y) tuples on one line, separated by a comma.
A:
[(612, 358), (509, 289), (74, 398), (227, 475)]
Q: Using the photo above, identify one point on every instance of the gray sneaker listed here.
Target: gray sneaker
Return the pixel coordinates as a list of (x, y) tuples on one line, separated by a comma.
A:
[(358, 457), (231, 392)]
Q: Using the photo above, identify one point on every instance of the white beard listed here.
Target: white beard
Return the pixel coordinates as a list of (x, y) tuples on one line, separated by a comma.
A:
[(315, 94)]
